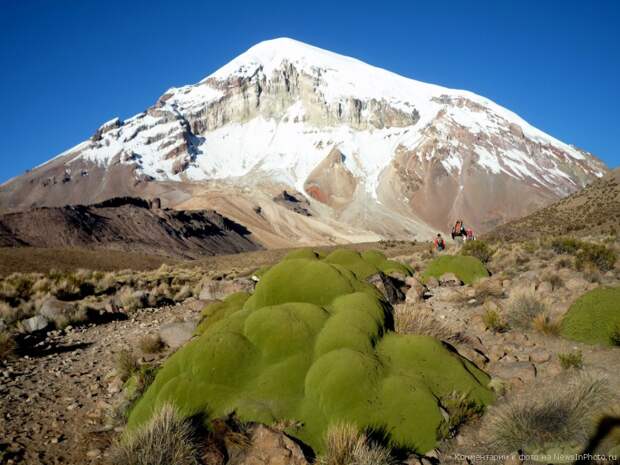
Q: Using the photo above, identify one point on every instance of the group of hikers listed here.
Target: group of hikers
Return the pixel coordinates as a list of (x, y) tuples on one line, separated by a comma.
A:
[(459, 234)]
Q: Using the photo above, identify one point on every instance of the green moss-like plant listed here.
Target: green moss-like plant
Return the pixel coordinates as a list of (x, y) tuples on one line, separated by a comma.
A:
[(594, 317), (367, 263), (467, 268), (314, 344)]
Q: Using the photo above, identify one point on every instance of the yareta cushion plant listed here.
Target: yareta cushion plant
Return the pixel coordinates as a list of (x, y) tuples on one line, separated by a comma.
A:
[(314, 344), (594, 318), (467, 268)]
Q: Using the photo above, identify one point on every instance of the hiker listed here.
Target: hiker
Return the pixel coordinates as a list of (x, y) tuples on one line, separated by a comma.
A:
[(470, 235), (440, 244), (458, 232)]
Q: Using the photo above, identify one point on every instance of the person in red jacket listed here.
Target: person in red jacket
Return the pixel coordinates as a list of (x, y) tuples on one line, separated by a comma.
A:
[(440, 244)]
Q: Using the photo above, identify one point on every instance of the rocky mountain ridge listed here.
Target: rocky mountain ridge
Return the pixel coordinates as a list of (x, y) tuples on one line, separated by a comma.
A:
[(376, 154)]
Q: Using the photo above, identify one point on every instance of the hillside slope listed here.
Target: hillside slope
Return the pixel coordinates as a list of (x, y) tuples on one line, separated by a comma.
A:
[(593, 210), (127, 224)]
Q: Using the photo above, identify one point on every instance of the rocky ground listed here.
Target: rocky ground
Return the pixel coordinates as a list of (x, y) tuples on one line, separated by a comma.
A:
[(58, 397)]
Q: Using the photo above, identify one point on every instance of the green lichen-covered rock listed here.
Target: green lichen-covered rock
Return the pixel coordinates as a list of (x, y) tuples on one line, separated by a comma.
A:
[(314, 344), (594, 318), (468, 269)]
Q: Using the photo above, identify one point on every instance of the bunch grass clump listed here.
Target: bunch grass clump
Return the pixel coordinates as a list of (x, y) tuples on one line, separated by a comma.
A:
[(151, 344), (410, 320), (167, 439), (126, 364), (7, 344), (346, 445), (571, 360), (523, 309), (548, 416), (493, 321)]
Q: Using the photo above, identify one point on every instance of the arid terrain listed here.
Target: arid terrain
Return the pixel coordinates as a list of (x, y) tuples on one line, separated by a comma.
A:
[(65, 395)]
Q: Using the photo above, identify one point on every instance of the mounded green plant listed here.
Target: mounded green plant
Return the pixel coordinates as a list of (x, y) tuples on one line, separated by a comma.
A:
[(467, 268), (594, 317), (315, 344)]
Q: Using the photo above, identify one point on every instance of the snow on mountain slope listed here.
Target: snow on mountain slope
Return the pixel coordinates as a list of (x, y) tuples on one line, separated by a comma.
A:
[(275, 114)]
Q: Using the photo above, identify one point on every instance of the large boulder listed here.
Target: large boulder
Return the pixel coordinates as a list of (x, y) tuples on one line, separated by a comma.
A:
[(35, 323), (54, 309), (175, 334), (388, 286), (416, 291), (269, 447), (219, 289)]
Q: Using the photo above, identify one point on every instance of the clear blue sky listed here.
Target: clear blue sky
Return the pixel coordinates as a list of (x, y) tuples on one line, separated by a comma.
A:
[(67, 66)]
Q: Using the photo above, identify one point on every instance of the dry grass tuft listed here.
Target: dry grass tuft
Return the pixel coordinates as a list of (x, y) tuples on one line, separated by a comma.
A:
[(570, 360), (523, 309), (545, 325), (547, 415), (486, 288), (345, 445), (409, 320), (493, 321), (126, 364), (167, 439), (151, 344), (7, 344), (556, 281)]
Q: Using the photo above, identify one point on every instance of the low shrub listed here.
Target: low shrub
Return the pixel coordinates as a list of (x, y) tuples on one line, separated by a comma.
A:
[(167, 439), (478, 249), (570, 360), (600, 256), (523, 309), (548, 416)]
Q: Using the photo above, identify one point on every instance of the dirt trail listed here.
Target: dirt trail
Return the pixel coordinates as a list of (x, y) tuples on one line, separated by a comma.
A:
[(54, 402)]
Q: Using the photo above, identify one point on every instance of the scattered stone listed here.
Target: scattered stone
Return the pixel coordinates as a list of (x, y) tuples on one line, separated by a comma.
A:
[(432, 282), (545, 288), (388, 287)]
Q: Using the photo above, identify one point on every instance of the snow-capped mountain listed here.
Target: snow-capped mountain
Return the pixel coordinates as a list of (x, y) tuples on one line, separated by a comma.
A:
[(374, 154)]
